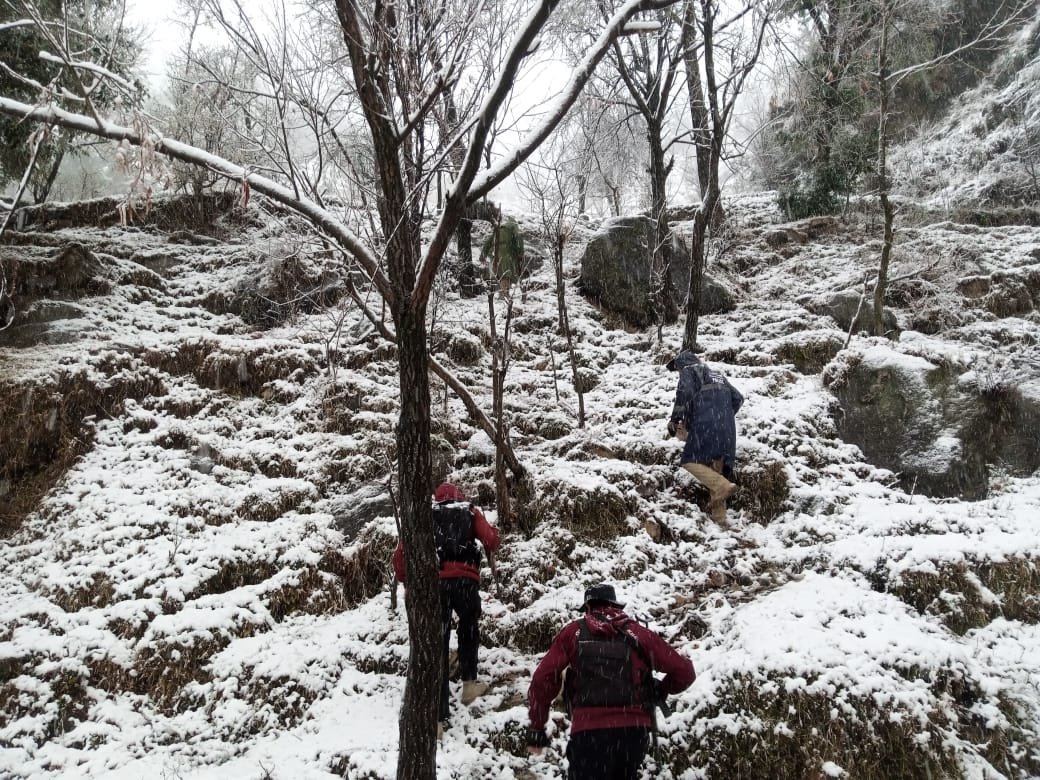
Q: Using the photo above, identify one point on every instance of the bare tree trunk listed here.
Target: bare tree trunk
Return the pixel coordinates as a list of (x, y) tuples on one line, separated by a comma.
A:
[(42, 190), (698, 106), (664, 304), (711, 118), (565, 324), (499, 366), (422, 601), (882, 172)]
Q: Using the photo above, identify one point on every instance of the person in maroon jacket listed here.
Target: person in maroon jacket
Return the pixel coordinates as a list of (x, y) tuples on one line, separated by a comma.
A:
[(458, 526), (610, 688)]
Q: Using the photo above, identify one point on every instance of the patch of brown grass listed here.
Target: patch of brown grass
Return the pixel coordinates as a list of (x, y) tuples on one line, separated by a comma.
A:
[(97, 592), (45, 425), (524, 635), (955, 592), (809, 354), (764, 489), (597, 514), (266, 506), (791, 734)]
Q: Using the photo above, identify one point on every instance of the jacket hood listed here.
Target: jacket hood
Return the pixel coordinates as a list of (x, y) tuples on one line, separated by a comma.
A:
[(684, 359), (448, 492), (606, 621)]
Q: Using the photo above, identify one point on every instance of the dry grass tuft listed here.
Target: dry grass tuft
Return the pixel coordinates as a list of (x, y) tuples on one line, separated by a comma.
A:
[(548, 425), (811, 352), (340, 581), (531, 635), (464, 349), (244, 369), (56, 699), (45, 425), (97, 592), (970, 594), (596, 513), (757, 730), (764, 490), (267, 505)]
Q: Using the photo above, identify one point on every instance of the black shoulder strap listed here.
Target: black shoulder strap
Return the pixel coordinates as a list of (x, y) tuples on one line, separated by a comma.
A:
[(584, 634)]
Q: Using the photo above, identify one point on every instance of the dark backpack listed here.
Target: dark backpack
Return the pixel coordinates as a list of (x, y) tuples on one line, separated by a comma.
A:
[(453, 533), (603, 672)]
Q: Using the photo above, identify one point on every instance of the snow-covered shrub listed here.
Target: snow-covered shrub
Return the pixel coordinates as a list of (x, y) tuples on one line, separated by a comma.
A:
[(970, 594), (465, 349), (547, 424), (586, 504)]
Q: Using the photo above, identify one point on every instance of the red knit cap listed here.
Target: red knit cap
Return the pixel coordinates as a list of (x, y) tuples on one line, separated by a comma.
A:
[(448, 492)]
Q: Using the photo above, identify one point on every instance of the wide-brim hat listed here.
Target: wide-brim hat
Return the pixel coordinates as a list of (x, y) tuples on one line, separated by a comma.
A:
[(600, 594)]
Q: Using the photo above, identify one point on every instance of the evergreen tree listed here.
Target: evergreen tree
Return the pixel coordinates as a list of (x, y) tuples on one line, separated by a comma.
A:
[(73, 30)]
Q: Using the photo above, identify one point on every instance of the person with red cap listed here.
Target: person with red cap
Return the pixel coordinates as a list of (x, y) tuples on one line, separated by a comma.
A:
[(610, 689), (457, 527)]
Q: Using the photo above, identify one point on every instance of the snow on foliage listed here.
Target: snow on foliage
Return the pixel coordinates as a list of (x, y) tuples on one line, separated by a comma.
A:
[(203, 594)]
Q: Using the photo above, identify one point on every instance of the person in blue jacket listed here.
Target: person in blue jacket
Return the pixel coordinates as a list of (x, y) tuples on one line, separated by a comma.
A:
[(706, 404)]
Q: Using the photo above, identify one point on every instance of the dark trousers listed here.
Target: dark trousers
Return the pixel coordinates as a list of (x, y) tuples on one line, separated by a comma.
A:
[(607, 754), (461, 596)]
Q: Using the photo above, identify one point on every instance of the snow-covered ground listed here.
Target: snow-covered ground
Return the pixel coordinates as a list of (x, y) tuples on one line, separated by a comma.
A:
[(203, 595)]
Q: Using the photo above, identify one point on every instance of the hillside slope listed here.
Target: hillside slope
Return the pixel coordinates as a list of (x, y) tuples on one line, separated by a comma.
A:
[(984, 151), (201, 590)]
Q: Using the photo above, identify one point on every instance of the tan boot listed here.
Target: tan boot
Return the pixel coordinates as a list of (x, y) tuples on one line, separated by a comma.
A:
[(717, 512), (717, 505), (471, 690)]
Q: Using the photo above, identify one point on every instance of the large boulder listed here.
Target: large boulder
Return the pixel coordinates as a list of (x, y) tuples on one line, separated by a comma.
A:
[(617, 269), (853, 311), (938, 428), (893, 409)]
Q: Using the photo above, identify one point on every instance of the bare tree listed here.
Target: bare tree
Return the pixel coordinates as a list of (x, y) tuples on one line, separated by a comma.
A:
[(612, 158), (719, 54), (393, 87), (893, 18), (556, 194), (649, 68)]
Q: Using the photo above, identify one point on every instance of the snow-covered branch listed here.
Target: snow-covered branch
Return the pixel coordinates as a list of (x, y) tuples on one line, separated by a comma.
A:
[(568, 95), (56, 89), (318, 216), (92, 67), (18, 23)]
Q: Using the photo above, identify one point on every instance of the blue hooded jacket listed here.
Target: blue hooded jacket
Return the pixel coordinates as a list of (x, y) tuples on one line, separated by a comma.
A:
[(707, 403)]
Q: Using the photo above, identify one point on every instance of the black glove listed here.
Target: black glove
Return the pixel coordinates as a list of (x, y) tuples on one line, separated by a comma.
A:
[(537, 738), (672, 427), (661, 699)]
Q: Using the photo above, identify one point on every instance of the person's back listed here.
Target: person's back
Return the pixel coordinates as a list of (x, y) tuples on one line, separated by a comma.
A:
[(610, 689), (458, 526), (455, 537), (706, 404)]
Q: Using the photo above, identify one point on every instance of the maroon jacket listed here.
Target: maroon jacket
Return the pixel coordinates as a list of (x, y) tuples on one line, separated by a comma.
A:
[(482, 530), (605, 621)]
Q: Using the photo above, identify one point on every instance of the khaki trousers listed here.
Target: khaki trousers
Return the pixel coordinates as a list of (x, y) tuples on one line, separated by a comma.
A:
[(718, 486)]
